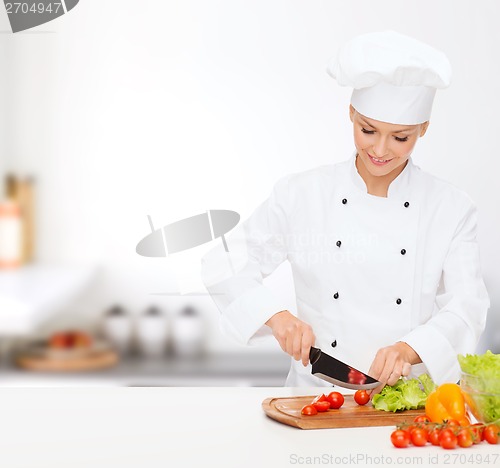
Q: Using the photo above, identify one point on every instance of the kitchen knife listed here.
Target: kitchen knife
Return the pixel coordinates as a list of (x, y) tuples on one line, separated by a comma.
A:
[(337, 372)]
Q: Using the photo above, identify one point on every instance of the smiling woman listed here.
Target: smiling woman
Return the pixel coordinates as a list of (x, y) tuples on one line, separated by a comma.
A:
[(408, 299), (383, 149)]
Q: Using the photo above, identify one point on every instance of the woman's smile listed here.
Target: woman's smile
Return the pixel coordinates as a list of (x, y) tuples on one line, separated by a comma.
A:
[(378, 162)]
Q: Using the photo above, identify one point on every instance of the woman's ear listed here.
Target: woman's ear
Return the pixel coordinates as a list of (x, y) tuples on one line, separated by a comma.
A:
[(423, 128), (352, 111)]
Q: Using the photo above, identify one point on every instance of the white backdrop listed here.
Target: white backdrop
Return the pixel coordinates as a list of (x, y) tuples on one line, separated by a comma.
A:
[(125, 108)]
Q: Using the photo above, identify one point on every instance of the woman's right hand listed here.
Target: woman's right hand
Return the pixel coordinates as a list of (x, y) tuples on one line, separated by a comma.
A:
[(294, 336)]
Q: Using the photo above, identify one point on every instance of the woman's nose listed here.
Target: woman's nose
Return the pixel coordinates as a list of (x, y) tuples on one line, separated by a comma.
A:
[(380, 148)]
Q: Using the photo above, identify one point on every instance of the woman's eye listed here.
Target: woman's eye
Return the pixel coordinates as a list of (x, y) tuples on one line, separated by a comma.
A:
[(370, 132), (401, 139)]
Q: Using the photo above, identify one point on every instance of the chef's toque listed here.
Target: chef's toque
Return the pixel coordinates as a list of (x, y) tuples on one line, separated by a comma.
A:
[(394, 76)]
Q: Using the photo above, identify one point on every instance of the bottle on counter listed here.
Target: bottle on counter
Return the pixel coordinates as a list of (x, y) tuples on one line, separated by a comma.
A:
[(21, 192), (27, 204), (10, 235), (152, 332), (118, 329)]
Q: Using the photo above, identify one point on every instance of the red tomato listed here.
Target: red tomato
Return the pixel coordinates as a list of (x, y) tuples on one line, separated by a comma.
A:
[(321, 397), (464, 438), (423, 419), (419, 437), (490, 434), (322, 406), (361, 397), (336, 400), (309, 410), (452, 423), (400, 438), (447, 439), (434, 436), (411, 427), (477, 432)]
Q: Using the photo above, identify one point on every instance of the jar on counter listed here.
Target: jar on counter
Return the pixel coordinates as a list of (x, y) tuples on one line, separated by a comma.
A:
[(152, 332), (118, 328), (10, 235), (188, 333)]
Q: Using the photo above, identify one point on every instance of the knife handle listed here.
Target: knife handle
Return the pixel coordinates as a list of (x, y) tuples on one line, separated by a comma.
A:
[(314, 354)]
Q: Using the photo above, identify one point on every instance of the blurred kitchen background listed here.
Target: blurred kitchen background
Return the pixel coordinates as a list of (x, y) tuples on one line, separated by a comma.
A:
[(119, 110)]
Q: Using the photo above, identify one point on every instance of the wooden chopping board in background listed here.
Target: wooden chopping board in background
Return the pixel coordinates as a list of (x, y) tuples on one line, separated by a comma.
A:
[(39, 357), (287, 411)]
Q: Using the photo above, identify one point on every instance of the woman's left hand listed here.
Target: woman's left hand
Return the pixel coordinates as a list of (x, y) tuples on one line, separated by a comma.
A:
[(391, 363)]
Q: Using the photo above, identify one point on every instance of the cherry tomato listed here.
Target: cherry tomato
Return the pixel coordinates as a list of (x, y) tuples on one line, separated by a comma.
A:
[(447, 439), (464, 438), (419, 437), (400, 438), (411, 427), (309, 410), (434, 436), (322, 406), (423, 419), (321, 397), (477, 432), (490, 434), (361, 397), (336, 400), (452, 423)]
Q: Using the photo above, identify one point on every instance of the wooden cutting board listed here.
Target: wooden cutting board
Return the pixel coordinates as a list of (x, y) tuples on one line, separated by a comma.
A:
[(287, 411), (42, 358)]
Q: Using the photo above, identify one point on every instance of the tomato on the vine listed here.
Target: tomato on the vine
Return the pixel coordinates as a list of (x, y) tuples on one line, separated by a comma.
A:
[(477, 432), (322, 406), (490, 434), (400, 438), (336, 400), (419, 437), (434, 436), (447, 439), (464, 438), (422, 419), (361, 397), (309, 410)]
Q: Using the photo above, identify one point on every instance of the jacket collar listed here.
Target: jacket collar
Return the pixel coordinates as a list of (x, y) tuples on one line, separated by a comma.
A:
[(399, 187)]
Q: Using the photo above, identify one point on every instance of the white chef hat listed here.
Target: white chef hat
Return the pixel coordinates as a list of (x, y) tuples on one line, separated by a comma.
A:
[(394, 76)]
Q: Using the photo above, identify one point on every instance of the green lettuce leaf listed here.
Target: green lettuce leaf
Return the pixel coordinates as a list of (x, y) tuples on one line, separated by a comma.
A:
[(481, 380), (388, 402), (404, 394), (413, 396), (428, 384)]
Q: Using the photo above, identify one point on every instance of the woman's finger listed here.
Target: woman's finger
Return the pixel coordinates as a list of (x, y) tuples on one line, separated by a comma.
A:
[(307, 341), (297, 345)]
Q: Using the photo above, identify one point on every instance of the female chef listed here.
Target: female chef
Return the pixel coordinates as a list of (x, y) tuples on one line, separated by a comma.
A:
[(384, 256)]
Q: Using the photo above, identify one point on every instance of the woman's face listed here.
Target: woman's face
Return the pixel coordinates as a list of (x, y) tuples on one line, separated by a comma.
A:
[(382, 146)]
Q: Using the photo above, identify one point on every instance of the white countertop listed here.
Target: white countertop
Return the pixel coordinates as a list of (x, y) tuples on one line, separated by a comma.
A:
[(189, 427)]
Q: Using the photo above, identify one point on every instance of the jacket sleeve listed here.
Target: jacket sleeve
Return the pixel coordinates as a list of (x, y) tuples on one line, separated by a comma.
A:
[(235, 278), (461, 306)]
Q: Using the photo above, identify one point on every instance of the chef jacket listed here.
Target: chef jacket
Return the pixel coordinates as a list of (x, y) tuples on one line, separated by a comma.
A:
[(368, 271)]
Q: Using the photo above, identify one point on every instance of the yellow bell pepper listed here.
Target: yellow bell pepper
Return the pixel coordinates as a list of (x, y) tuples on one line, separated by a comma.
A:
[(445, 403)]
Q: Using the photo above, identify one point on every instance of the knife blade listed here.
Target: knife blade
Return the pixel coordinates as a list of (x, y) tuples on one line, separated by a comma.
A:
[(339, 373)]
